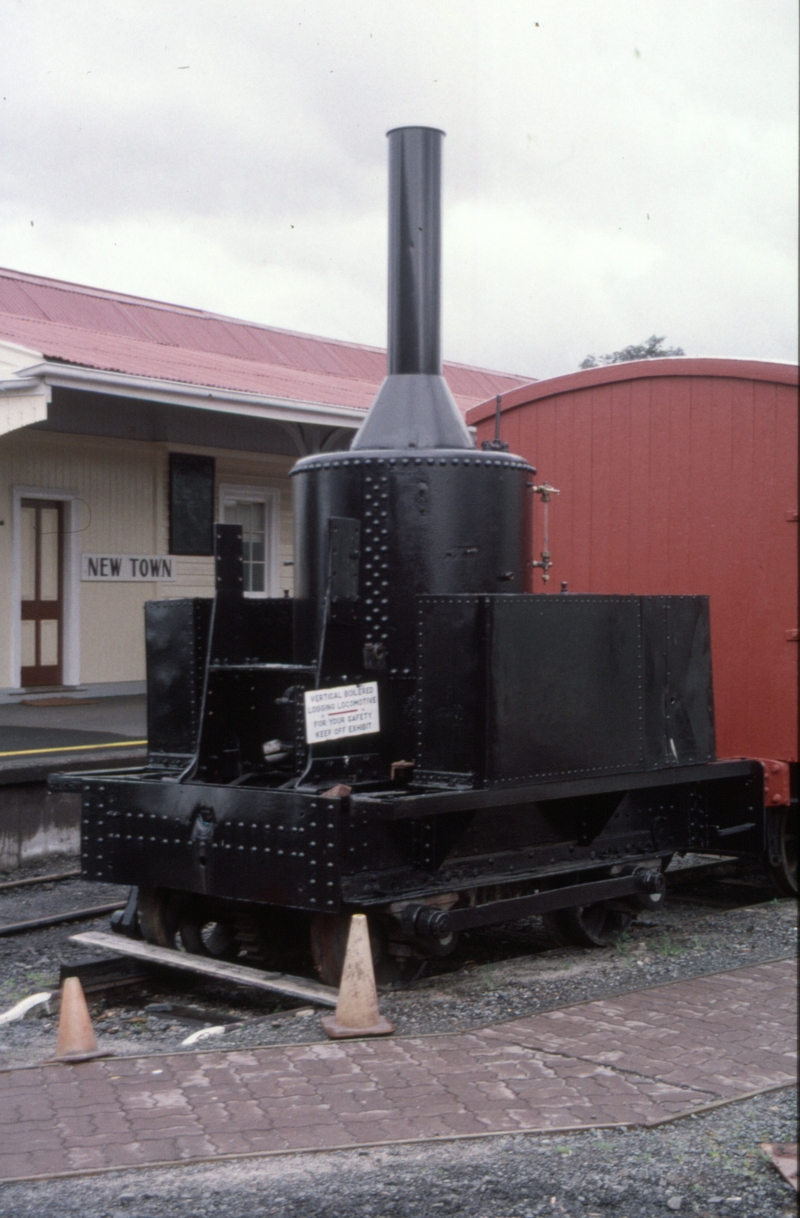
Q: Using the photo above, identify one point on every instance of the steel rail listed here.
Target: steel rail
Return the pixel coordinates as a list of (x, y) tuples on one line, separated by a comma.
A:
[(75, 915), (40, 879)]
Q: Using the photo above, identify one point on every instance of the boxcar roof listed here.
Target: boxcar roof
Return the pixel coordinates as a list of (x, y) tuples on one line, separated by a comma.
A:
[(588, 378)]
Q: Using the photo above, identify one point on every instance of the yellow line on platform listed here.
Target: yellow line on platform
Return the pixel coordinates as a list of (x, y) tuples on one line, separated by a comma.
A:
[(75, 748)]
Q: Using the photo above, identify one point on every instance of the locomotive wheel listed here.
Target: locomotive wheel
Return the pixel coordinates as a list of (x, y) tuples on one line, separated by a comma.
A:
[(158, 916), (274, 939), (170, 919), (268, 938), (203, 936), (587, 925), (783, 872), (328, 934), (265, 937)]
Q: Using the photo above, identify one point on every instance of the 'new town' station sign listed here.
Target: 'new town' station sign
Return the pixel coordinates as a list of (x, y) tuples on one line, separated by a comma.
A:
[(127, 568)]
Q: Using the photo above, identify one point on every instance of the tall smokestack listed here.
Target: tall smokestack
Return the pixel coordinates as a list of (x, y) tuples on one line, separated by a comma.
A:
[(415, 250), (414, 407)]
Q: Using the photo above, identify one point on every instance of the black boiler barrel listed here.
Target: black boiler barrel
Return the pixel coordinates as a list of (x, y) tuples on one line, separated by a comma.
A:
[(439, 522)]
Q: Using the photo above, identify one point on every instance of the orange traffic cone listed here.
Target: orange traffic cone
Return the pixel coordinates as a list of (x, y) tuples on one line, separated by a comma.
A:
[(76, 1038), (357, 1011)]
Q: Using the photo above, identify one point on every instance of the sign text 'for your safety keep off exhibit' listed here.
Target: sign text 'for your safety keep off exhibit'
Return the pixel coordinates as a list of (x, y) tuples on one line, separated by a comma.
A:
[(345, 710), (127, 568)]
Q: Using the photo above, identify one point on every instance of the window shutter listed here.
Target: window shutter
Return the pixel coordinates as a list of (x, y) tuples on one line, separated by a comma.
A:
[(191, 504)]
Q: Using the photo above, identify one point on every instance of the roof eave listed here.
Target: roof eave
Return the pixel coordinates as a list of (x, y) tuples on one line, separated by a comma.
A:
[(199, 397)]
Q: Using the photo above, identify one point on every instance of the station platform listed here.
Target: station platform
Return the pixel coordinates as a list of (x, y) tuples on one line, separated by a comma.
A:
[(640, 1059), (42, 733), (47, 732)]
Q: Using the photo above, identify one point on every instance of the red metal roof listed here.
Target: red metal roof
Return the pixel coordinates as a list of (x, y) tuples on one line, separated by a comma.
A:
[(95, 328)]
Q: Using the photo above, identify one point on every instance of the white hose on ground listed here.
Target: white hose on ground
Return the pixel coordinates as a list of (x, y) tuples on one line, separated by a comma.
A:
[(22, 1008)]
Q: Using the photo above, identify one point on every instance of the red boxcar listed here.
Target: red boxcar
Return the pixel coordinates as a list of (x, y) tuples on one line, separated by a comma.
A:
[(680, 476)]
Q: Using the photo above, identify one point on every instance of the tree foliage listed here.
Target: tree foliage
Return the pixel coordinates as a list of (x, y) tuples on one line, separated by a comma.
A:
[(650, 349)]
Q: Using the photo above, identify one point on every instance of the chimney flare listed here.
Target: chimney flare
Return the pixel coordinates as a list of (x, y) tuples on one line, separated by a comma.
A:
[(414, 407)]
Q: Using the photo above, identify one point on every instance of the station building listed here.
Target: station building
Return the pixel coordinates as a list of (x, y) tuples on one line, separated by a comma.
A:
[(127, 427)]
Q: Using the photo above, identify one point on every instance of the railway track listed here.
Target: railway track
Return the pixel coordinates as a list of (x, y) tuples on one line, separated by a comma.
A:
[(70, 915), (717, 917), (52, 878)]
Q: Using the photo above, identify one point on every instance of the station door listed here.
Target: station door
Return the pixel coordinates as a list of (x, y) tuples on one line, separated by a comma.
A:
[(42, 535)]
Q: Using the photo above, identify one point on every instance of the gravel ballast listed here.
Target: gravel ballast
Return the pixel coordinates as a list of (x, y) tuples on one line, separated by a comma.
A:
[(709, 1164), (496, 974)]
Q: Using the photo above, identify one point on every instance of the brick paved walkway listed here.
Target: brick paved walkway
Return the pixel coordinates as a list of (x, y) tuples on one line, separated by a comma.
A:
[(637, 1059)]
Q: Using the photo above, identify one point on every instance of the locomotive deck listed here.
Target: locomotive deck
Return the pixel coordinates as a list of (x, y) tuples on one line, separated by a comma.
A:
[(311, 835)]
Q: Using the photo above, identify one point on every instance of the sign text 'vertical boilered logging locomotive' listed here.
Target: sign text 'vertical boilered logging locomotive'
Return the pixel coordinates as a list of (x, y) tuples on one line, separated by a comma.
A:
[(415, 734)]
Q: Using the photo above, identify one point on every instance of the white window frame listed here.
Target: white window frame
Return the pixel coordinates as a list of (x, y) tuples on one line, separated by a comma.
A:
[(271, 498), (71, 581)]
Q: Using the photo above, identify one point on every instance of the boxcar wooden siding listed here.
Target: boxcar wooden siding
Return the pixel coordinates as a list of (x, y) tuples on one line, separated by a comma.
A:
[(681, 484)]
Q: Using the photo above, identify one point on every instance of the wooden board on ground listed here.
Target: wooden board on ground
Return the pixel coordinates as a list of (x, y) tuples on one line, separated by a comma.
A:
[(219, 970), (784, 1156)]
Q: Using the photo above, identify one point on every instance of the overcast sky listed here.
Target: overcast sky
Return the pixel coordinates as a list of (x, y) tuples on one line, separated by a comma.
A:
[(610, 169)]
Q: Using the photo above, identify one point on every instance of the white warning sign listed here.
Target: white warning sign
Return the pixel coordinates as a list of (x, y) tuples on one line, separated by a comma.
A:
[(345, 710)]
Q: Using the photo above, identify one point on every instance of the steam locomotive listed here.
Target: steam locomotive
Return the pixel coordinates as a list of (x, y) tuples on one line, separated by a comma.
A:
[(416, 734)]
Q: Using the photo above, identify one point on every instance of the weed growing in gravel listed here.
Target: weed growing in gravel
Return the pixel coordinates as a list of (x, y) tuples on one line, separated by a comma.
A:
[(39, 980), (666, 947), (556, 965)]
